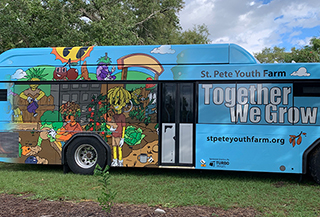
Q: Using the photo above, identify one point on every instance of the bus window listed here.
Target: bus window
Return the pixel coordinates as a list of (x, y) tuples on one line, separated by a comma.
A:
[(306, 89), (186, 103), (169, 103), (3, 95)]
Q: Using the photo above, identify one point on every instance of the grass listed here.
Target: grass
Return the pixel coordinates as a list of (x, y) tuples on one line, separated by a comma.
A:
[(270, 194)]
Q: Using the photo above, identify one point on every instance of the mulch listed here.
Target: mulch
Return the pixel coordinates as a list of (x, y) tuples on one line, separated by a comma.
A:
[(12, 205)]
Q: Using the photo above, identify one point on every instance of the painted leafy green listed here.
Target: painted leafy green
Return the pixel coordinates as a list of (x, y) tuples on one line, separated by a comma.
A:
[(133, 136)]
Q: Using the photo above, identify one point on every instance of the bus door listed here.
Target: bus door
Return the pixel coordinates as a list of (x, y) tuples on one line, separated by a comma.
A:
[(177, 117)]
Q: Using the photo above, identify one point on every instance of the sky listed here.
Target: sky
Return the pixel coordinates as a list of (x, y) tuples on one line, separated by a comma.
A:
[(255, 24)]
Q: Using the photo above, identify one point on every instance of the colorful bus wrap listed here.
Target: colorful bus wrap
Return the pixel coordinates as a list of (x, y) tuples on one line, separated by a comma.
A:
[(178, 106)]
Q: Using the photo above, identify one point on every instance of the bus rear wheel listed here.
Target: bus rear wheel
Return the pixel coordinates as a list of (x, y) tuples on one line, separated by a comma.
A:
[(83, 154), (314, 164)]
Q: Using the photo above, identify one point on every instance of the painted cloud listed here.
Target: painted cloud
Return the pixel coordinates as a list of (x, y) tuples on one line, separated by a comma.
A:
[(163, 49), (302, 71), (19, 74)]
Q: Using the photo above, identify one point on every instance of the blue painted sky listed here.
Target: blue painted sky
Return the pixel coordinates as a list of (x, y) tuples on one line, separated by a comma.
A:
[(255, 24)]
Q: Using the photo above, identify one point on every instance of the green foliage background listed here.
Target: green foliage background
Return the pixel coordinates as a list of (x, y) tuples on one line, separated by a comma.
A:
[(51, 23), (308, 53), (68, 23)]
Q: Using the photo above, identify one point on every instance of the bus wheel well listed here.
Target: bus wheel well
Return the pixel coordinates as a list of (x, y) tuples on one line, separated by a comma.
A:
[(311, 161), (83, 151)]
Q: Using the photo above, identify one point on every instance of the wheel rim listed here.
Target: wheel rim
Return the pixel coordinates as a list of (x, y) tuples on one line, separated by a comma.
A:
[(86, 156)]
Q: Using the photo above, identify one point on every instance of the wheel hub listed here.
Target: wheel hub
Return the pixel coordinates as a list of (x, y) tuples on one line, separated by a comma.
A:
[(86, 156)]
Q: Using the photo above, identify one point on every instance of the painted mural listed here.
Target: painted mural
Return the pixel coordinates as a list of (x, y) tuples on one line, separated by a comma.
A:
[(47, 115)]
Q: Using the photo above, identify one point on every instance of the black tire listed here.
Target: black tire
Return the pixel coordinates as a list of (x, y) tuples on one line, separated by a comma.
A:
[(314, 164), (83, 154)]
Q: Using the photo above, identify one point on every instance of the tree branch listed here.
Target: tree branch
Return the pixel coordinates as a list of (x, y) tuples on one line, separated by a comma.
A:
[(93, 16), (88, 15), (151, 16), (24, 39), (140, 41)]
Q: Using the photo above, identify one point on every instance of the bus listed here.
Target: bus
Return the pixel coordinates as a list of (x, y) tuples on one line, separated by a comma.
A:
[(208, 107)]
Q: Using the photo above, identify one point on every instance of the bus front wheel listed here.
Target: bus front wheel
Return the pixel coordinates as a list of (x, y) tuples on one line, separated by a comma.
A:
[(83, 154), (314, 164)]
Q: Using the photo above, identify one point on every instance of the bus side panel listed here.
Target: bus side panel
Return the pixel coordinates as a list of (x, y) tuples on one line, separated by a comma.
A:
[(262, 148), (256, 126)]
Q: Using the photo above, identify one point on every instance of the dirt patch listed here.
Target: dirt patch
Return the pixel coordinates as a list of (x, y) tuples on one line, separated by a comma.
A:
[(280, 184), (12, 205)]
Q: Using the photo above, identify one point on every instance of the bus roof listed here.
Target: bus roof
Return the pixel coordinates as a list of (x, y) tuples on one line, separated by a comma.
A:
[(189, 54)]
